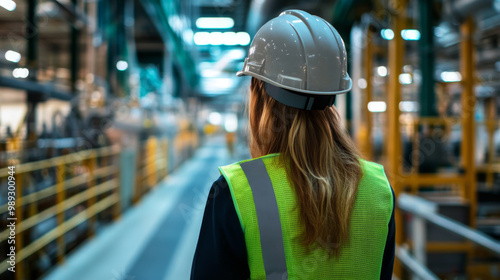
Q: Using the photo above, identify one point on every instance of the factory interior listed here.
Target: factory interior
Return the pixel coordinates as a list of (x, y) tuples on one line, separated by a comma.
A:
[(116, 114)]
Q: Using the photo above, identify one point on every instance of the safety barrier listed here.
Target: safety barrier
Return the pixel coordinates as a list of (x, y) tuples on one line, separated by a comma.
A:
[(491, 164), (152, 165), (93, 184), (426, 211), (78, 191)]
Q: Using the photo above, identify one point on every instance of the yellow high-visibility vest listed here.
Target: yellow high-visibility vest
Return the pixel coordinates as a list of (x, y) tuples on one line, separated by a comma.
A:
[(266, 205)]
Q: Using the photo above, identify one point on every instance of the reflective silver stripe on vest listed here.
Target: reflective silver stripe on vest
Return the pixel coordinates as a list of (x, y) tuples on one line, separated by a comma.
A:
[(266, 207)]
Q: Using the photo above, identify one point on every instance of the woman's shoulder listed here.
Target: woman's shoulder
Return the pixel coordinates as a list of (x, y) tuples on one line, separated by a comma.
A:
[(374, 175), (375, 191), (370, 164)]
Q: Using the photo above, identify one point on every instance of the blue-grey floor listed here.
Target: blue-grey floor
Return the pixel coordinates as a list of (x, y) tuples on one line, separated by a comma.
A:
[(156, 239)]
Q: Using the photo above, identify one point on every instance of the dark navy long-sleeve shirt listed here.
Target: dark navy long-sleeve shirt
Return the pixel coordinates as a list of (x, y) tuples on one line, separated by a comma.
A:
[(221, 251)]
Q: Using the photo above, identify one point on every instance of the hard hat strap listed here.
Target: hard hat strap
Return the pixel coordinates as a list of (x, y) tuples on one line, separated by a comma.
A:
[(299, 100)]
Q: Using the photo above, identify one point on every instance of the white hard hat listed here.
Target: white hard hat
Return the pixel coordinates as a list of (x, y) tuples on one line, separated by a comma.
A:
[(302, 60)]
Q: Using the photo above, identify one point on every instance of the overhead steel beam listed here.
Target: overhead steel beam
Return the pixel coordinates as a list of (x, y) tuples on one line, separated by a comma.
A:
[(159, 12), (71, 13), (32, 87)]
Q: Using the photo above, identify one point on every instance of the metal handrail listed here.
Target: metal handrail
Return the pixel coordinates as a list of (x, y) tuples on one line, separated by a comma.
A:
[(68, 184), (62, 229), (417, 268), (428, 211), (64, 160), (90, 194), (95, 178), (67, 204)]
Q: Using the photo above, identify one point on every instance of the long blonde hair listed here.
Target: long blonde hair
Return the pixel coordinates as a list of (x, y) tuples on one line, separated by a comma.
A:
[(321, 160)]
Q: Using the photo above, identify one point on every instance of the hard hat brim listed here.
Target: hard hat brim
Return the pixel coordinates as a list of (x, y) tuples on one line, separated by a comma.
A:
[(267, 80)]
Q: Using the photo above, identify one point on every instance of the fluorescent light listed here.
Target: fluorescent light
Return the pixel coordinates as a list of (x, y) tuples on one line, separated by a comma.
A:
[(210, 73), (228, 38), (221, 38), (214, 118), (21, 73), (236, 54), (382, 71), (230, 122), (408, 106), (410, 34), (214, 23), (362, 83), (377, 106), (450, 77), (243, 38), (221, 84), (9, 5), (121, 65), (405, 79), (217, 38), (13, 56), (387, 34), (202, 38)]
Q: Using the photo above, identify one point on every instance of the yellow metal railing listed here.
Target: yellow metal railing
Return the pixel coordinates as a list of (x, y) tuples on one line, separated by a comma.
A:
[(152, 165), (90, 178), (98, 197), (154, 159), (490, 167), (414, 179)]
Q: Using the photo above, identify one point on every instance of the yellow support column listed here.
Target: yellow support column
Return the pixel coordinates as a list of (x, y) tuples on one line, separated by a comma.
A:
[(468, 106), (91, 166), (117, 209), (164, 148), (152, 167), (396, 53), (60, 196)]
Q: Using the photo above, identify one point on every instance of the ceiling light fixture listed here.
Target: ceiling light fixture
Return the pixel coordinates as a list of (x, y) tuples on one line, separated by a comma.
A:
[(382, 71), (387, 34), (377, 106), (21, 73), (410, 34), (451, 76), (121, 65), (214, 23), (405, 79), (9, 5), (221, 38), (12, 56)]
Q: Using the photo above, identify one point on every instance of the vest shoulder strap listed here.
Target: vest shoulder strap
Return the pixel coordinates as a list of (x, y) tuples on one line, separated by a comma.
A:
[(268, 218)]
